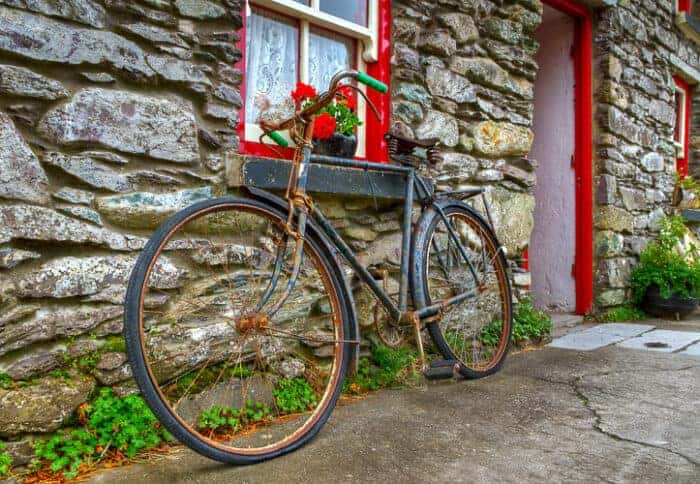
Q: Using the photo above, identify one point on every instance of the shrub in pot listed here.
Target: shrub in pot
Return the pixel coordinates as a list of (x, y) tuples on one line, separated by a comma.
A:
[(666, 282)]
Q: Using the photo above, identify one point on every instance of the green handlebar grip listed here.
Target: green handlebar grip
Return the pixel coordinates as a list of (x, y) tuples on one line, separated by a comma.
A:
[(277, 138), (372, 82)]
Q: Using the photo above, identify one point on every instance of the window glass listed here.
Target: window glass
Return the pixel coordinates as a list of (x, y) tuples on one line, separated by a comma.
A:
[(272, 46), (680, 116), (354, 11), (328, 53)]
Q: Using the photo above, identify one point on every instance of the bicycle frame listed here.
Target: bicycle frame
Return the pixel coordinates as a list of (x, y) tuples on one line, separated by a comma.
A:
[(416, 189)]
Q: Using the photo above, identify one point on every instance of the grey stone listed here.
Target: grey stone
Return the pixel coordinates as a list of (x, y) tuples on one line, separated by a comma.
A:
[(21, 175), (42, 407), (42, 224), (518, 175), (220, 111), (652, 162), (462, 26), (86, 12), (73, 195), (614, 273), (609, 244), (438, 42), (415, 93), (292, 368), (407, 111), (489, 175), (655, 218), (361, 233), (445, 83), (132, 123), (153, 33), (633, 199), (111, 361), (112, 377), (599, 336), (83, 213), (662, 340), (228, 94), (612, 297), (92, 276), (137, 11), (89, 171), (11, 258), (615, 219), (504, 30), (199, 9), (176, 70), (513, 217), (14, 312), (43, 39), (499, 139), (148, 210), (439, 125), (486, 72), (34, 363), (21, 82), (99, 77), (606, 190)]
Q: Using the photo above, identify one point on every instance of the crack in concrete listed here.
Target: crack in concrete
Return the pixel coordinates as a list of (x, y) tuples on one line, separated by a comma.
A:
[(597, 426)]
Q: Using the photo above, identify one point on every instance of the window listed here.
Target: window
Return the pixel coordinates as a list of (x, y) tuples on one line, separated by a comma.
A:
[(687, 18), (682, 134), (287, 41)]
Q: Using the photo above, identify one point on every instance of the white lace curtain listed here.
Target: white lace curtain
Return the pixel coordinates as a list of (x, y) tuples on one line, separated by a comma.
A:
[(272, 46)]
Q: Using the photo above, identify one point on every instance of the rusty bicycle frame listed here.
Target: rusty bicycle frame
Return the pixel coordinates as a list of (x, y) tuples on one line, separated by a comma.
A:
[(301, 207)]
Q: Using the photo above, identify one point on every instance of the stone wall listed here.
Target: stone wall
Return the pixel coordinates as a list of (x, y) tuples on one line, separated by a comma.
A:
[(113, 115), (639, 47), (463, 71)]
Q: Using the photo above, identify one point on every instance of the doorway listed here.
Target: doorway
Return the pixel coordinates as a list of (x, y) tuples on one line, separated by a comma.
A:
[(560, 253)]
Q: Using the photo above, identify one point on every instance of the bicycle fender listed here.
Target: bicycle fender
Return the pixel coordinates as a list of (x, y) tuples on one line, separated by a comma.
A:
[(332, 252)]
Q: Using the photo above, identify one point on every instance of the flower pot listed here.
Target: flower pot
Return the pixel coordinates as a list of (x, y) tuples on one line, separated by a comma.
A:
[(338, 145), (673, 307)]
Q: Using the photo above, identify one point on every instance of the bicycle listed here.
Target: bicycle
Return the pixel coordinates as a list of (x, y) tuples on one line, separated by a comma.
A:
[(244, 358)]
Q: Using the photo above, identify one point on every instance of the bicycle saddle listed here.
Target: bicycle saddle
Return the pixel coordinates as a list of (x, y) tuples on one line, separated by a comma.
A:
[(402, 149)]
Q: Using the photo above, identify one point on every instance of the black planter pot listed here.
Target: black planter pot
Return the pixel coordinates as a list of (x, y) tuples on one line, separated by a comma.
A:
[(338, 145), (673, 307)]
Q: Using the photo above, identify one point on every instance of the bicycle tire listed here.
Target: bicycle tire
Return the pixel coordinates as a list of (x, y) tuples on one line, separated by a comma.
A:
[(421, 250), (134, 335)]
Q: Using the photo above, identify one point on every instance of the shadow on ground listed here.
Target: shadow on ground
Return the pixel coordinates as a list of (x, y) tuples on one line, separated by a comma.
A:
[(610, 415)]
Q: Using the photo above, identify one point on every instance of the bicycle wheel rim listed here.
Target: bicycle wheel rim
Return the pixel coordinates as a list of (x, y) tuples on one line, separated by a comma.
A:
[(458, 348), (332, 387)]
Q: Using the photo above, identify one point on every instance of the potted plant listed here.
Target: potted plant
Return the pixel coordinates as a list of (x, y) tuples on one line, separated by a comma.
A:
[(334, 131), (666, 282)]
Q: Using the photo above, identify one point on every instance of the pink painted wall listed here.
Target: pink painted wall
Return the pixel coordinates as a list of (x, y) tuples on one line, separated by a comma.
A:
[(553, 242)]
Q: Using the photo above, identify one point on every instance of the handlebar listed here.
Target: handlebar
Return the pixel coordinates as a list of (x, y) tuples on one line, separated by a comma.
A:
[(272, 130)]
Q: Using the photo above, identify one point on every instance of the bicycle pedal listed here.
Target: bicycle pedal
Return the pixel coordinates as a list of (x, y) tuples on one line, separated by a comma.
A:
[(439, 373), (443, 363)]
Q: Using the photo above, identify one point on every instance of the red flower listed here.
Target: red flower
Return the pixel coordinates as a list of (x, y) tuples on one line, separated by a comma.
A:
[(303, 92), (349, 94), (325, 126)]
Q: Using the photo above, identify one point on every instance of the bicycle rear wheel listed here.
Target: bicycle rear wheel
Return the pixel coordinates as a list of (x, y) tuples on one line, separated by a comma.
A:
[(475, 332), (222, 377)]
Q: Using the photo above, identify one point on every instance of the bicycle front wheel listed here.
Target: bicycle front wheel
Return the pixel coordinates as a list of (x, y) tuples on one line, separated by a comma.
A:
[(475, 332), (226, 374)]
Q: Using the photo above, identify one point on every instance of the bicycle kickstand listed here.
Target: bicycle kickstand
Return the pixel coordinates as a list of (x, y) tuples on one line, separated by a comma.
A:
[(438, 369)]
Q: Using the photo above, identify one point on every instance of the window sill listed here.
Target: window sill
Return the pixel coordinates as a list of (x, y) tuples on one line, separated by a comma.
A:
[(273, 174), (689, 25)]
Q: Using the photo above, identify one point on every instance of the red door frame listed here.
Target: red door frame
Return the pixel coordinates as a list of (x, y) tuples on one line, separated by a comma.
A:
[(375, 144), (682, 163), (583, 155)]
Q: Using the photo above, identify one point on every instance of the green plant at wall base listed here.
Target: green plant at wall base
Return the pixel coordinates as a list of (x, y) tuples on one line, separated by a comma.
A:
[(5, 461), (5, 381), (386, 367), (662, 263), (624, 313), (223, 418), (529, 324), (114, 344), (121, 423), (295, 395)]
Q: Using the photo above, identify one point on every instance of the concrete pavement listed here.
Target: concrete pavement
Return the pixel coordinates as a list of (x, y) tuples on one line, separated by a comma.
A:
[(608, 415)]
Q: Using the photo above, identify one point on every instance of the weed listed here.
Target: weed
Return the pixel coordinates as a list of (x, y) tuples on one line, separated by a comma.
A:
[(221, 419), (385, 368), (202, 378), (529, 324), (5, 461), (124, 424), (624, 313), (295, 395), (114, 344), (5, 381)]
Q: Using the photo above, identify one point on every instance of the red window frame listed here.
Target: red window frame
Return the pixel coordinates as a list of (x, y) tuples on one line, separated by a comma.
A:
[(374, 139), (682, 161), (684, 5)]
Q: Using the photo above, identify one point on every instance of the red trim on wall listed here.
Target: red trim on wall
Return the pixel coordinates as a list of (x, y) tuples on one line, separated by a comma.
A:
[(682, 163), (376, 145), (684, 6), (583, 156)]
